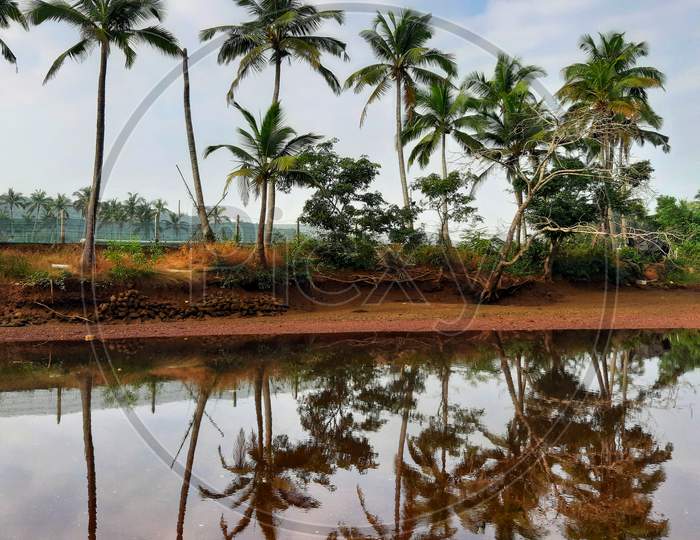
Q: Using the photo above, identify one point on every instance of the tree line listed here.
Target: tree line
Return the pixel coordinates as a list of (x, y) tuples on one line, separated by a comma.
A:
[(570, 171)]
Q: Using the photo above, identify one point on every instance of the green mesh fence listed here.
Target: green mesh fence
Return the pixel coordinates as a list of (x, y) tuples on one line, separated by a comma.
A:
[(29, 231)]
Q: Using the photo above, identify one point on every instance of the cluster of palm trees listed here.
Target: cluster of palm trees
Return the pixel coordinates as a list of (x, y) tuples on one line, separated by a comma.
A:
[(496, 119), (146, 219)]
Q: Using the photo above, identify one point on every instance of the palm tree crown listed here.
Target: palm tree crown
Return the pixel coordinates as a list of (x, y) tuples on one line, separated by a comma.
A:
[(281, 29), (268, 153), (106, 22), (10, 12)]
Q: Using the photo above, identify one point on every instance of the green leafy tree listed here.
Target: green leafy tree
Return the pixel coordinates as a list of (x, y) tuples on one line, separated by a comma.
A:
[(450, 197), (268, 153), (348, 215), (400, 45), (106, 24), (281, 30), (10, 12)]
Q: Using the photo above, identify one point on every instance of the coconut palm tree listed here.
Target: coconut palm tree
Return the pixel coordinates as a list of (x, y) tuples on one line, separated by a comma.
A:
[(105, 24), (12, 199), (37, 202), (269, 153), (10, 12), (442, 112), (131, 206), (510, 110), (177, 223), (280, 30), (611, 85), (160, 207), (399, 43), (59, 207), (82, 199)]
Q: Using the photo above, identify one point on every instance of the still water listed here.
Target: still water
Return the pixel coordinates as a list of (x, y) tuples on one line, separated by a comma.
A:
[(564, 435)]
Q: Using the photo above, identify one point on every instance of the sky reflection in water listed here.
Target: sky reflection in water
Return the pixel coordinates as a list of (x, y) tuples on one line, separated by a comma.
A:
[(528, 436)]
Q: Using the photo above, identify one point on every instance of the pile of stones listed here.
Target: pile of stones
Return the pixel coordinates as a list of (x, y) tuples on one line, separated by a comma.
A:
[(133, 306)]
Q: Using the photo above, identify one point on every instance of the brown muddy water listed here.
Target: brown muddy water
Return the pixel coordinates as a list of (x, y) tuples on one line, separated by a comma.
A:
[(556, 435)]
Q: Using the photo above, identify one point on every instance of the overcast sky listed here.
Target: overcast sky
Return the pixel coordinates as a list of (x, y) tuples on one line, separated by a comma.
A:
[(47, 140)]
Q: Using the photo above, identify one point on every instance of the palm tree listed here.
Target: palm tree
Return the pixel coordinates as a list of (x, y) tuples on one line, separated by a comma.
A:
[(12, 199), (105, 24), (441, 113), (510, 113), (177, 223), (10, 12), (269, 153), (145, 214), (131, 206), (281, 30), (207, 233), (60, 206), (82, 199), (612, 86), (400, 46), (159, 206), (37, 202)]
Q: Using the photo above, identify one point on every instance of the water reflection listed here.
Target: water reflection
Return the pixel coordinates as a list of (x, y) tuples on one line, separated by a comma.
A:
[(529, 436)]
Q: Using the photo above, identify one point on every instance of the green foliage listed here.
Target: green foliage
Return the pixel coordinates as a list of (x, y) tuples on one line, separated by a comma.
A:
[(14, 266), (247, 278), (131, 260), (350, 218)]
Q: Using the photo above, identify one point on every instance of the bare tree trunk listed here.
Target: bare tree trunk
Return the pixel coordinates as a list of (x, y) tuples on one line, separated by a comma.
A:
[(207, 233), (519, 235), (399, 144), (549, 261), (86, 401), (187, 477), (87, 261), (260, 242)]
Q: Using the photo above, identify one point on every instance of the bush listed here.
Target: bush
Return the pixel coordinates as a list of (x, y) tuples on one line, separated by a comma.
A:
[(14, 267), (131, 260)]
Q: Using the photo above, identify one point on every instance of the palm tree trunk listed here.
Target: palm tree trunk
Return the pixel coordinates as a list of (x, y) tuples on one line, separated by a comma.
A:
[(268, 415), (87, 262), (519, 233), (399, 144), (63, 227), (445, 232), (207, 233), (260, 242), (271, 192), (86, 402), (270, 221), (187, 477)]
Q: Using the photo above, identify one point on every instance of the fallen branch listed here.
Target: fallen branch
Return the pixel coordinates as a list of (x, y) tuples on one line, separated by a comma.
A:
[(63, 315)]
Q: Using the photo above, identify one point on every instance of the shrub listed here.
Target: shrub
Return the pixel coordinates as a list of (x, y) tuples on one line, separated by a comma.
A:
[(14, 267), (131, 260)]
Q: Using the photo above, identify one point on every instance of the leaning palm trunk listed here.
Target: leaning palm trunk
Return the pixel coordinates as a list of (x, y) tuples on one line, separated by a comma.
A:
[(207, 233), (399, 144), (87, 262), (187, 476), (260, 241)]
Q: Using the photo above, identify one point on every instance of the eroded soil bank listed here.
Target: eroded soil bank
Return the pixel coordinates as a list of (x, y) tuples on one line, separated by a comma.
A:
[(540, 307)]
